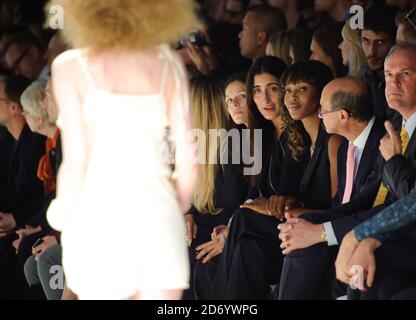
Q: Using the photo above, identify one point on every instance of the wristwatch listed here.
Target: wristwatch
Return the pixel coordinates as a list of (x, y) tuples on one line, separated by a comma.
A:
[(324, 236)]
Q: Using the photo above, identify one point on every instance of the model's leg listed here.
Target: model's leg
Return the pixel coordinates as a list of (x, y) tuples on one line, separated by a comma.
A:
[(174, 294)]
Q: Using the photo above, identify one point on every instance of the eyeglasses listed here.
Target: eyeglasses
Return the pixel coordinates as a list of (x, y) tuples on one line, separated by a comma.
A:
[(19, 60), (323, 113), (409, 17)]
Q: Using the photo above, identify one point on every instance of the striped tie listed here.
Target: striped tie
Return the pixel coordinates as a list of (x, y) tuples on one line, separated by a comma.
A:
[(382, 191)]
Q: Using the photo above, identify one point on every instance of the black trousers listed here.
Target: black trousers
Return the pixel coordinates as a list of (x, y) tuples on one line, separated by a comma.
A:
[(203, 236), (8, 266), (309, 273), (395, 269), (408, 294), (251, 261), (13, 284), (204, 276)]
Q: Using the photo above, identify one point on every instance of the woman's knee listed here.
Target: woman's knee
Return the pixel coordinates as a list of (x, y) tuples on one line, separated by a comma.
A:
[(31, 271)]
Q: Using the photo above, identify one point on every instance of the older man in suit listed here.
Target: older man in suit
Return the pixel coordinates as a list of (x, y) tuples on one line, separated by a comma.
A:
[(393, 231), (398, 169), (347, 111)]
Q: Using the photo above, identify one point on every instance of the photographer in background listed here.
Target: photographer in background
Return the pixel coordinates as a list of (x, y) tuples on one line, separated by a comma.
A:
[(234, 11), (214, 51)]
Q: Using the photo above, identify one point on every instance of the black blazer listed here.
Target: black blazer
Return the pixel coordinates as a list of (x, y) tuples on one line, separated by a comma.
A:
[(399, 173), (6, 149), (286, 172), (367, 167), (230, 192), (315, 186), (40, 218), (281, 174), (26, 191), (56, 156)]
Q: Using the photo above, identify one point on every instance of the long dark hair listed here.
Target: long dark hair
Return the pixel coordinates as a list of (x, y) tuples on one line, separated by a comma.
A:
[(301, 44), (314, 73), (240, 76), (276, 67), (329, 36)]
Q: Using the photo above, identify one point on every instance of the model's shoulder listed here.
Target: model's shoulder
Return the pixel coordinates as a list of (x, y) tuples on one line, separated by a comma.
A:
[(68, 57)]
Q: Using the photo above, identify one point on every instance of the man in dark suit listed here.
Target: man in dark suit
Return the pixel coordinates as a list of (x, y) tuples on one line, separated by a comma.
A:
[(6, 147), (390, 242), (24, 195), (346, 110), (316, 263)]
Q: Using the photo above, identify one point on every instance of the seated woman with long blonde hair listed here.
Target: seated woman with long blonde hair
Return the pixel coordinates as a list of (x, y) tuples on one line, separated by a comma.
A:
[(353, 54), (221, 188)]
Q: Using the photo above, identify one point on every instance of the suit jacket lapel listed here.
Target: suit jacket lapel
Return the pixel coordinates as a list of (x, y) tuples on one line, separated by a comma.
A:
[(310, 169), (369, 152), (342, 169), (410, 150)]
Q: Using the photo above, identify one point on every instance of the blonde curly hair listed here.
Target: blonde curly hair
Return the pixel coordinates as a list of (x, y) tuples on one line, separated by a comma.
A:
[(125, 24)]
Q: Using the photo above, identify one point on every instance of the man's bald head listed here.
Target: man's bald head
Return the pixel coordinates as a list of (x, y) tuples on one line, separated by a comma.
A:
[(349, 94), (347, 85)]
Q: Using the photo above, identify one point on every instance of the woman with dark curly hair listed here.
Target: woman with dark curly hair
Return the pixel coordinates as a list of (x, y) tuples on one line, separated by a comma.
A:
[(303, 83)]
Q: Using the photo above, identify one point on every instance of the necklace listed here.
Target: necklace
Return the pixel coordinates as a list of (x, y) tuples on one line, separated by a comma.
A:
[(312, 149)]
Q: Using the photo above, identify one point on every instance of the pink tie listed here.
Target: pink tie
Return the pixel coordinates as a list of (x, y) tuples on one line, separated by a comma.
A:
[(350, 173)]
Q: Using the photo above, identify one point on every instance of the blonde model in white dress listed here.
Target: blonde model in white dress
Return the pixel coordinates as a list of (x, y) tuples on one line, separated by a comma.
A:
[(120, 215)]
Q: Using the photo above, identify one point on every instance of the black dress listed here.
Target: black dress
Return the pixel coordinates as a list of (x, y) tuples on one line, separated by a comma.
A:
[(230, 192), (252, 257)]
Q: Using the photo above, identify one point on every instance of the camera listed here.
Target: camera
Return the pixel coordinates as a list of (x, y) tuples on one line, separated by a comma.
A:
[(196, 38)]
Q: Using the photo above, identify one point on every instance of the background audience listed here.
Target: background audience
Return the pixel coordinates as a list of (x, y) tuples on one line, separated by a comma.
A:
[(333, 172)]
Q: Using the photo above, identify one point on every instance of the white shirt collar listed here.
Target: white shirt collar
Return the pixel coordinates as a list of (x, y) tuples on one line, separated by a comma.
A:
[(361, 140), (410, 124)]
